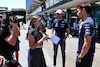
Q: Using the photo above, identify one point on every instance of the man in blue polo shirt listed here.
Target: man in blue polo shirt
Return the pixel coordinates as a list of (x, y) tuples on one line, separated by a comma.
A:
[(86, 46), (75, 27), (60, 25)]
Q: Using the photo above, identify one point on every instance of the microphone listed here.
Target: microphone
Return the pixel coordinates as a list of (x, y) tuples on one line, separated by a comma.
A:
[(44, 31)]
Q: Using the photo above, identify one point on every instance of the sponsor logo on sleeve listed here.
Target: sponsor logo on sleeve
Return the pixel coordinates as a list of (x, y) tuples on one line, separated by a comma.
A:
[(87, 30), (87, 25)]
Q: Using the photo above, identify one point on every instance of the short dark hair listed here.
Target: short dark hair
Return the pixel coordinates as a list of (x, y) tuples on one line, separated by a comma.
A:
[(85, 5)]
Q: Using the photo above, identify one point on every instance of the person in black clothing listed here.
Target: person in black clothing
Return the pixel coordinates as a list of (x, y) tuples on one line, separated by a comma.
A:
[(35, 37), (8, 41)]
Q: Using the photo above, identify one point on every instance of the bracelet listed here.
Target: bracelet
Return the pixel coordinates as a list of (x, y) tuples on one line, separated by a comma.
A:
[(79, 58)]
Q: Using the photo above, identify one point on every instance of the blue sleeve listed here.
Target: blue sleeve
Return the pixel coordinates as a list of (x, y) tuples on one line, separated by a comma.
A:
[(53, 25), (66, 23), (54, 22), (74, 25), (87, 29)]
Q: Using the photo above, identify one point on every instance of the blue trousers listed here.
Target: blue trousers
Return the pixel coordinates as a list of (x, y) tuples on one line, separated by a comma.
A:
[(62, 45)]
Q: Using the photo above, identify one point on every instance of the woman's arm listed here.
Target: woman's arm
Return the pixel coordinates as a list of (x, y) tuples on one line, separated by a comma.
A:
[(32, 43)]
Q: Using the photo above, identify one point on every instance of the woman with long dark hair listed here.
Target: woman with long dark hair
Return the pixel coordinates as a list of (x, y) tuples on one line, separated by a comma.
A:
[(36, 57)]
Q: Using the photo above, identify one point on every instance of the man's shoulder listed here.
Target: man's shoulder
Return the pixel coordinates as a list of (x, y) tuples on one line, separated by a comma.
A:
[(89, 21), (65, 20), (56, 20), (31, 30)]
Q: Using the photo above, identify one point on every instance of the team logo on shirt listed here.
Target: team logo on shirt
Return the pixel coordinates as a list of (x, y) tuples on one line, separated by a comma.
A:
[(56, 25), (87, 25), (62, 21), (62, 25)]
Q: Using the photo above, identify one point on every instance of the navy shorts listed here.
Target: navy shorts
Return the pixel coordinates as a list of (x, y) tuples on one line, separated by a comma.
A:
[(17, 46)]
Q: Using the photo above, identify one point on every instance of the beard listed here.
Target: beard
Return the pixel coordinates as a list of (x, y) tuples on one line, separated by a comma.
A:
[(60, 17)]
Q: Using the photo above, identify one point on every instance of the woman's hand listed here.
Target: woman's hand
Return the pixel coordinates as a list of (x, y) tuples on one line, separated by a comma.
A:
[(45, 37)]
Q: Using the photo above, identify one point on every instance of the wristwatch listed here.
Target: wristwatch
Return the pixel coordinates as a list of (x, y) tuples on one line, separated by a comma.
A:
[(79, 57)]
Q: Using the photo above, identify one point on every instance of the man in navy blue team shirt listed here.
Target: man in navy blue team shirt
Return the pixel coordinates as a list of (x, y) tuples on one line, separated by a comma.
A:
[(60, 25), (86, 46)]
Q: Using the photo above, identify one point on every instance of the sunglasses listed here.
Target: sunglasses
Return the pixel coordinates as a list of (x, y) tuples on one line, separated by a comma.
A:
[(59, 14)]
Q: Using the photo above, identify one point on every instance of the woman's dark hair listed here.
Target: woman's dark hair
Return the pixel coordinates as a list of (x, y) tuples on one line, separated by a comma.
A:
[(34, 19), (86, 6)]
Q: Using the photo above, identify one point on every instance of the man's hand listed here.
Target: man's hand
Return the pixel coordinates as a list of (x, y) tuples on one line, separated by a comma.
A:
[(64, 39), (2, 59), (80, 60)]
